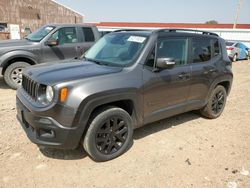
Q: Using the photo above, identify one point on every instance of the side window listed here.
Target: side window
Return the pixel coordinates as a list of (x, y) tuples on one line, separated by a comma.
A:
[(237, 45), (201, 50), (151, 58), (65, 35), (27, 31), (242, 46), (88, 34), (173, 48), (216, 47)]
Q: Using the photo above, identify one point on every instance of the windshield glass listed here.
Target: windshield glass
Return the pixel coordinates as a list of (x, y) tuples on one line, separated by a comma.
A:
[(117, 49), (39, 34)]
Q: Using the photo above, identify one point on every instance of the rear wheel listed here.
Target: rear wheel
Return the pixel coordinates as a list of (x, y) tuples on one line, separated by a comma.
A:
[(109, 134), (216, 103), (13, 74), (235, 57), (247, 56)]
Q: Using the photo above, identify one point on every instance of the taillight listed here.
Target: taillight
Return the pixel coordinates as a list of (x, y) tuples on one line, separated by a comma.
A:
[(230, 48)]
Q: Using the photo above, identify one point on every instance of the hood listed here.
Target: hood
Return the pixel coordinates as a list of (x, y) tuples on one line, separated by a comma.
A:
[(52, 74), (14, 43)]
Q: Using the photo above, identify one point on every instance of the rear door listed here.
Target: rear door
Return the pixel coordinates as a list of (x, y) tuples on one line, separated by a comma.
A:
[(68, 41), (87, 39), (206, 59)]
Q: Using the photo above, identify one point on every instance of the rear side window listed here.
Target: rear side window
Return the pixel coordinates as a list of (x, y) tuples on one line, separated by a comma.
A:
[(216, 48), (88, 34), (229, 43), (202, 51), (237, 45)]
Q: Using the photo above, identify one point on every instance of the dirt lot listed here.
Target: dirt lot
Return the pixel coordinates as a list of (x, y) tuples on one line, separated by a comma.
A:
[(183, 151)]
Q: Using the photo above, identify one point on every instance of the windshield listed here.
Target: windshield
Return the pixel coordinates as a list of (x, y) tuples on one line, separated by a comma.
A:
[(39, 34), (117, 49)]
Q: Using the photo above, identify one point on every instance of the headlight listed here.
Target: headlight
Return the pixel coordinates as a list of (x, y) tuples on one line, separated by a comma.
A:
[(49, 93), (45, 94)]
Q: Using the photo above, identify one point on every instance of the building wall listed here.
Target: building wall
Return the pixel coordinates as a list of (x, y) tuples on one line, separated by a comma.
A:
[(35, 13)]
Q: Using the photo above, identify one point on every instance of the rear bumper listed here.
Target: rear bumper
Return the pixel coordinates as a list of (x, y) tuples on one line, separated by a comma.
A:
[(46, 131)]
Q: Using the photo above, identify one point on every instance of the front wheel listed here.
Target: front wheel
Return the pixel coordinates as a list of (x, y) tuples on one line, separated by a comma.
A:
[(109, 134), (216, 103), (13, 74)]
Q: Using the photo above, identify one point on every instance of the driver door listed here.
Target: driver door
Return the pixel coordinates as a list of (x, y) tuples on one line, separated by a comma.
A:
[(66, 48), (166, 91)]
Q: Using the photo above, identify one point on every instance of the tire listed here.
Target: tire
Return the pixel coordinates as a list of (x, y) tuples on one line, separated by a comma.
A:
[(216, 103), (106, 140), (247, 56), (234, 59), (13, 74)]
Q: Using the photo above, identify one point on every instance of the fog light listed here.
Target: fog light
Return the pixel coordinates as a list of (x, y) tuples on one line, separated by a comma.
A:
[(47, 133), (45, 121)]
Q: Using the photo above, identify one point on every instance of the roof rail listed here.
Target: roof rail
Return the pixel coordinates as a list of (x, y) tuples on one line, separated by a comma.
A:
[(187, 30), (127, 30)]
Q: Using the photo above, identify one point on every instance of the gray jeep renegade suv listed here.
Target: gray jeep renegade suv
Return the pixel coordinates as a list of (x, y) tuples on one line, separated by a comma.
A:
[(127, 79)]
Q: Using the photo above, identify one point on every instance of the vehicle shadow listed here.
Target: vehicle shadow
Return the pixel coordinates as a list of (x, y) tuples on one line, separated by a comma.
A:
[(164, 124), (76, 154), (3, 85)]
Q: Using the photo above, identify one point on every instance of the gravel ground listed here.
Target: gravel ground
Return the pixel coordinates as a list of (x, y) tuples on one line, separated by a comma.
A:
[(183, 151)]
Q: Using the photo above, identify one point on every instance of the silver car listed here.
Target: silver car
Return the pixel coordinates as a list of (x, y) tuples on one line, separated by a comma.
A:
[(237, 51)]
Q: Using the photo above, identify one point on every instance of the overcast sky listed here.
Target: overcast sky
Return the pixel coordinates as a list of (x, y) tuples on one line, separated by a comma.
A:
[(180, 11)]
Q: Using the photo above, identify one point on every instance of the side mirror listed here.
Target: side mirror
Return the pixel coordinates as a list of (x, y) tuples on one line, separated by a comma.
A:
[(165, 63), (247, 49), (51, 43)]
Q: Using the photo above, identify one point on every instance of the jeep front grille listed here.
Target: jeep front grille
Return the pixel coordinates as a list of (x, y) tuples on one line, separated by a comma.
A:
[(30, 86)]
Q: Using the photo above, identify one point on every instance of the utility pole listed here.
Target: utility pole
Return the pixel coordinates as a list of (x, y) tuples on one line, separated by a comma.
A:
[(237, 13)]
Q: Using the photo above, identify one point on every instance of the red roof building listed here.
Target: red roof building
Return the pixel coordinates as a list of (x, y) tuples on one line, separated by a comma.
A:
[(169, 25)]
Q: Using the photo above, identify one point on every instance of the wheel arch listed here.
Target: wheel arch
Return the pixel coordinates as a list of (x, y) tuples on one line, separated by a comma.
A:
[(226, 85), (225, 81), (10, 59), (91, 105)]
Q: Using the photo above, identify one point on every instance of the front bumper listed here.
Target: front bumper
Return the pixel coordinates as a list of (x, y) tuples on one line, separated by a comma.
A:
[(44, 130)]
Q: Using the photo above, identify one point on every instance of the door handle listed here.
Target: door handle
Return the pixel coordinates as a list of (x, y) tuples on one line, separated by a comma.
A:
[(184, 75), (210, 71)]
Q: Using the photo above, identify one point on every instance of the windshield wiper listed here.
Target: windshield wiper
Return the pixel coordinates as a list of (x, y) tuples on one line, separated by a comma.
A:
[(27, 39), (96, 61)]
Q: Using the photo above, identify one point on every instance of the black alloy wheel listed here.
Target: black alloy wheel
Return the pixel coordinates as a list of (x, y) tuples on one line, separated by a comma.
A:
[(111, 136), (218, 102), (110, 133)]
